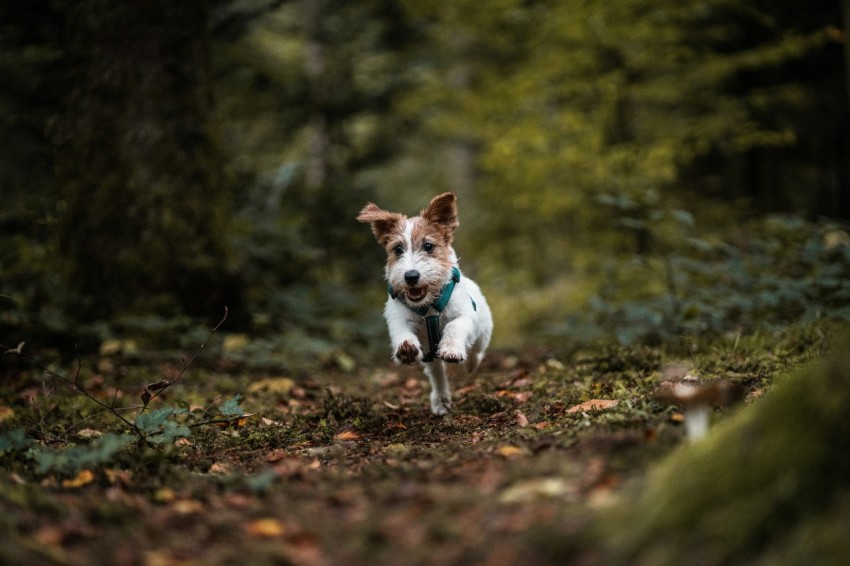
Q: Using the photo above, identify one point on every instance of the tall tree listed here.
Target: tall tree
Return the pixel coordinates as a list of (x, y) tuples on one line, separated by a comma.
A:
[(138, 170)]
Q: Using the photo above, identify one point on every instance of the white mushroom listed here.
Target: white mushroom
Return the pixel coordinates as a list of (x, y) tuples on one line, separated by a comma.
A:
[(697, 400)]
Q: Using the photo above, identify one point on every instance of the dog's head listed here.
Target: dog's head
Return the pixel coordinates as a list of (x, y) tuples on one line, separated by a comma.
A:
[(419, 249)]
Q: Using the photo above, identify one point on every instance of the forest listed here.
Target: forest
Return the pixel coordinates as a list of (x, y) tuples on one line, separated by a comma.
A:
[(195, 366)]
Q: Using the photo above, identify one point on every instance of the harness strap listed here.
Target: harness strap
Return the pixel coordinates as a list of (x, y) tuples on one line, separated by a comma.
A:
[(432, 322)]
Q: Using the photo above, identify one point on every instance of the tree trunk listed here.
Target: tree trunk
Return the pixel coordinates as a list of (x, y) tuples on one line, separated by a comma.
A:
[(138, 171)]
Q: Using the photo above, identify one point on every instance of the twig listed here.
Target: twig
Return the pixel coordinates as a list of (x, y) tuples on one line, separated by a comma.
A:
[(154, 390), (73, 384)]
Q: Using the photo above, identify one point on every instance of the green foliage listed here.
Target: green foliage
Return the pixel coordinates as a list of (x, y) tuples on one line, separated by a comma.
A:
[(14, 440), (70, 460), (782, 272), (754, 484), (231, 408), (160, 427), (142, 187)]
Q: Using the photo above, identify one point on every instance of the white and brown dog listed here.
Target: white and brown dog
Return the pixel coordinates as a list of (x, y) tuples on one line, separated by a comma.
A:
[(434, 315)]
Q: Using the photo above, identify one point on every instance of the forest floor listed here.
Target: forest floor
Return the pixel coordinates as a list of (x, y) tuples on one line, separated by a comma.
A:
[(350, 467)]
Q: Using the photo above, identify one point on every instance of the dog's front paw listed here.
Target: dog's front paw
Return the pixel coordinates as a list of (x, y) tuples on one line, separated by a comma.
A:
[(451, 355), (408, 353)]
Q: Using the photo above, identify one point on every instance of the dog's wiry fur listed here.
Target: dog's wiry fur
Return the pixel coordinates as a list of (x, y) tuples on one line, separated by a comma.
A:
[(420, 259)]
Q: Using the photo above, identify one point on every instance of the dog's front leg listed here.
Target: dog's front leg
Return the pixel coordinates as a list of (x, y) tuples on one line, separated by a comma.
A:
[(455, 341), (441, 397), (405, 344)]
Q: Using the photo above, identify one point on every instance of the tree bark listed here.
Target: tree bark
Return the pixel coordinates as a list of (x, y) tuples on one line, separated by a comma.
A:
[(137, 166)]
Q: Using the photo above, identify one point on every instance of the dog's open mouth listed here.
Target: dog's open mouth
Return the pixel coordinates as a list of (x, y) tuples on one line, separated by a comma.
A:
[(416, 294)]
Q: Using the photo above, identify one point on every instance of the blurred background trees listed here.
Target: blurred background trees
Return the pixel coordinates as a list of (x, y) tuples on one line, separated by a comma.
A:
[(162, 160)]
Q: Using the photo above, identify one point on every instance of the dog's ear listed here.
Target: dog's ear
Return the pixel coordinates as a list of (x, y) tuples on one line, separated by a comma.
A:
[(442, 210), (382, 221)]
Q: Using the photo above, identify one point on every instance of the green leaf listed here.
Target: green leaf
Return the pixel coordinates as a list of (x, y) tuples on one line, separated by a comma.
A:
[(14, 441), (231, 408), (71, 460), (159, 426)]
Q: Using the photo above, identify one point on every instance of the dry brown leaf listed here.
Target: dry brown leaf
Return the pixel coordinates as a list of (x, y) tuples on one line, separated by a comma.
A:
[(188, 507), (87, 433), (113, 476), (509, 451), (164, 495), (348, 434), (266, 528), (237, 422), (272, 385), (521, 419), (219, 468), (275, 455), (536, 490), (85, 477), (593, 405), (6, 413)]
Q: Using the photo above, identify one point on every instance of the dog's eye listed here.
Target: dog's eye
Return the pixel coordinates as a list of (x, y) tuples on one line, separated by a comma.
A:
[(398, 250), (428, 247)]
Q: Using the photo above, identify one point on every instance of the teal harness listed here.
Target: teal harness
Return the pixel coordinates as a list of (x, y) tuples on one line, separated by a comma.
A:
[(432, 322)]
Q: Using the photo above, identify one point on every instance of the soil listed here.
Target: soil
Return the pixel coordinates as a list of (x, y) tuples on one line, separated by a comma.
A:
[(336, 467)]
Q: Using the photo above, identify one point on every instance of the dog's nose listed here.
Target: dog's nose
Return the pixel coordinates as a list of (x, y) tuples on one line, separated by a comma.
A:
[(412, 277)]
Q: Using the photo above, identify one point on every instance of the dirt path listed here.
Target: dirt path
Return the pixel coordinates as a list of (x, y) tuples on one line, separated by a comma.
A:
[(336, 468)]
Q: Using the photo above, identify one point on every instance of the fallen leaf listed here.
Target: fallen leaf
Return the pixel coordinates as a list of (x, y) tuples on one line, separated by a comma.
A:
[(83, 478), (113, 476), (535, 490), (266, 528), (509, 451), (237, 422), (461, 391), (275, 456), (348, 434), (593, 405), (345, 362), (518, 396), (87, 433), (6, 413), (188, 507), (219, 468), (521, 419), (164, 495), (394, 427), (272, 385)]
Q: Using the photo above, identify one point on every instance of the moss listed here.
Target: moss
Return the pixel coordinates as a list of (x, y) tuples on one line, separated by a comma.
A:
[(764, 474)]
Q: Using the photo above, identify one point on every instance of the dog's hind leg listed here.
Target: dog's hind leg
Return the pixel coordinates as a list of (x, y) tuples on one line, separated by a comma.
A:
[(473, 361)]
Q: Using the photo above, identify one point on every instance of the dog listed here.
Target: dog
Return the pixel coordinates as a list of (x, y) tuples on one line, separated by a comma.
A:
[(435, 316)]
